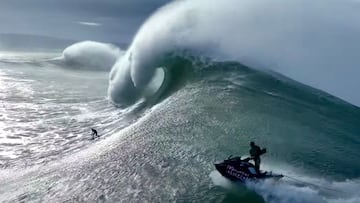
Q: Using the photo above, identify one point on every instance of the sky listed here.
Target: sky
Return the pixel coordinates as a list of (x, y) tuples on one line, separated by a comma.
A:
[(101, 20)]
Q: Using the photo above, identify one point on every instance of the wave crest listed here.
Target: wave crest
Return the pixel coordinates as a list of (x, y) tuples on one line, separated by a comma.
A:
[(91, 55), (300, 39)]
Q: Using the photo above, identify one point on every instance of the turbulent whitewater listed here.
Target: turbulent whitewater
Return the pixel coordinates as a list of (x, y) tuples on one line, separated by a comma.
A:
[(198, 82), (302, 40)]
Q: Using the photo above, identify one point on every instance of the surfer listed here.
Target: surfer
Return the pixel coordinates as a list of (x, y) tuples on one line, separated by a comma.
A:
[(255, 153), (94, 133)]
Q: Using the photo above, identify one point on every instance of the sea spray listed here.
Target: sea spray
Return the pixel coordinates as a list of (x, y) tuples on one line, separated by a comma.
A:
[(91, 55), (303, 40)]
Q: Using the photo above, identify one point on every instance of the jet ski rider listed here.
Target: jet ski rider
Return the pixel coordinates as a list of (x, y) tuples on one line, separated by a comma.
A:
[(255, 153)]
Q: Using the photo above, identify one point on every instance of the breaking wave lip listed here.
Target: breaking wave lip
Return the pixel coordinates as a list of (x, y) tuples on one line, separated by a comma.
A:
[(280, 36), (157, 85), (160, 76), (84, 55)]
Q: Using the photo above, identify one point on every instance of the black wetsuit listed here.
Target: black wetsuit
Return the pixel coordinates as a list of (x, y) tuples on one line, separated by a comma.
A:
[(255, 153), (94, 133)]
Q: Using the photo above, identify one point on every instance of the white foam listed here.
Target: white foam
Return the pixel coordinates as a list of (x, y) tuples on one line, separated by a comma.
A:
[(121, 89), (92, 55), (298, 188), (313, 190), (315, 42)]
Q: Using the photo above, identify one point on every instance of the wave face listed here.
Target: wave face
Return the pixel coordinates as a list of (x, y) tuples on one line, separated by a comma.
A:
[(91, 55), (165, 153), (188, 59), (304, 40)]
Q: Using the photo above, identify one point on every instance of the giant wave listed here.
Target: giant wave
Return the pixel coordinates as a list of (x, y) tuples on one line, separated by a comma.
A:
[(302, 40)]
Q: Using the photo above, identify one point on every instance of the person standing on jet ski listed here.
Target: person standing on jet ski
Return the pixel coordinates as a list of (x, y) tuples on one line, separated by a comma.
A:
[(255, 153)]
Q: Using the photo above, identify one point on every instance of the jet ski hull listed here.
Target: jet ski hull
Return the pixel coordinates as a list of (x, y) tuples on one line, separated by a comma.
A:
[(236, 169)]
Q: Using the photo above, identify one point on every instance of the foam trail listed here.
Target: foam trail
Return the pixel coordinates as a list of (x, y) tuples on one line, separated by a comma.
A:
[(286, 191), (325, 191), (91, 55), (312, 41), (299, 187)]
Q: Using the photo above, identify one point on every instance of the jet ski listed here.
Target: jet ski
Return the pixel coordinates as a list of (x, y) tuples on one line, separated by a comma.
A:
[(237, 169)]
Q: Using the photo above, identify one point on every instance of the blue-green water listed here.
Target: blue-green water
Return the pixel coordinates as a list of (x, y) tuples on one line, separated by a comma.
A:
[(164, 151), (199, 81)]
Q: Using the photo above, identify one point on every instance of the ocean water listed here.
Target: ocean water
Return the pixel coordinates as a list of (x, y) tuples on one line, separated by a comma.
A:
[(164, 150), (168, 109)]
